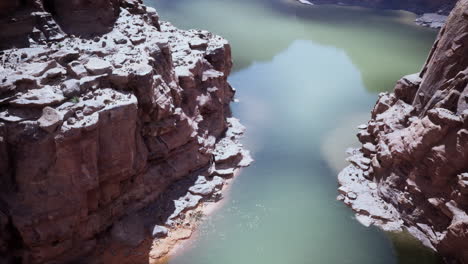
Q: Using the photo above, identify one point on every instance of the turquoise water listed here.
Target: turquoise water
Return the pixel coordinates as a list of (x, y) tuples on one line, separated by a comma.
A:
[(306, 77)]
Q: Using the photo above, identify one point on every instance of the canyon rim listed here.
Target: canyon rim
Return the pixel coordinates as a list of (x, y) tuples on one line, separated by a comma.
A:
[(103, 108)]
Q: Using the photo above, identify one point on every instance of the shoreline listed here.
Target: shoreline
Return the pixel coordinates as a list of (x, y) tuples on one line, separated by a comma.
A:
[(189, 203), (425, 19), (178, 240), (207, 208)]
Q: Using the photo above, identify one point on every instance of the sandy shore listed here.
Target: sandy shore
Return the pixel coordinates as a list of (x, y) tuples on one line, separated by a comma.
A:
[(182, 238), (179, 239)]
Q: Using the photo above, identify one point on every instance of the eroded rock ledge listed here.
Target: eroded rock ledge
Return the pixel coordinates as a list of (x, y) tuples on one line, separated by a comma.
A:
[(411, 171), (97, 127)]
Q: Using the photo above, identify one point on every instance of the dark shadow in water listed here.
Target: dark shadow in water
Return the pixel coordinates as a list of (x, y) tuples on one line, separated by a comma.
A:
[(410, 251)]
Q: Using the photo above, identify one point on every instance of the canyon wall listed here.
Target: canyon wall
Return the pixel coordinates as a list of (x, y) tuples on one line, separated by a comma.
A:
[(411, 172), (416, 6), (102, 107)]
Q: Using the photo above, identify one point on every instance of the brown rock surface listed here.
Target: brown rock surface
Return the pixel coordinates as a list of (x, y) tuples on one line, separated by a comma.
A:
[(411, 171), (94, 129)]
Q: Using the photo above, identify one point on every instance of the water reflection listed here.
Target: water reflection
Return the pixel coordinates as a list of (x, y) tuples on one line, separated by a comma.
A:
[(306, 77), (384, 45)]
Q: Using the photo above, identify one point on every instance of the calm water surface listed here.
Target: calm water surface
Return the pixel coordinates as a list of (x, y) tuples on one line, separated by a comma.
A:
[(306, 77)]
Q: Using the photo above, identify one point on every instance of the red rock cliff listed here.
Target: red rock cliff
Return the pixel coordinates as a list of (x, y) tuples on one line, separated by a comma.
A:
[(411, 172), (95, 128)]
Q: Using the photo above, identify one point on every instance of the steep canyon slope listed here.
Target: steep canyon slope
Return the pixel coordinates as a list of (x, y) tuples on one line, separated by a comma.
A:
[(102, 107), (411, 171)]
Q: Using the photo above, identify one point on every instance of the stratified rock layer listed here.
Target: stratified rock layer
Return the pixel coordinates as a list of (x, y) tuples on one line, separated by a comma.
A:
[(92, 129), (412, 170)]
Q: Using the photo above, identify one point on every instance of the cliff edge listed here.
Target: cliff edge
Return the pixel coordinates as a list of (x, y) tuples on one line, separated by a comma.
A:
[(102, 108), (412, 169)]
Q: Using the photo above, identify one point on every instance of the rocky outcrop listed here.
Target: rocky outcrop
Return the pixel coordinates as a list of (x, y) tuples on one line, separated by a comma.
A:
[(419, 7), (432, 13), (411, 171), (431, 20), (93, 128)]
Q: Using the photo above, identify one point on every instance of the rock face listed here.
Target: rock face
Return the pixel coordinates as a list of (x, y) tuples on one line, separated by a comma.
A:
[(417, 6), (23, 22), (92, 129), (411, 172)]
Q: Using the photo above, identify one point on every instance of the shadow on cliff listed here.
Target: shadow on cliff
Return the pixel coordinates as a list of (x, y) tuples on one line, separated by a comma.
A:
[(50, 20), (130, 240), (410, 251), (84, 18)]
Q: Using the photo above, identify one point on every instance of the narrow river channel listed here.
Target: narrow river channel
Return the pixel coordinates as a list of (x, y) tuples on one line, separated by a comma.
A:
[(306, 77)]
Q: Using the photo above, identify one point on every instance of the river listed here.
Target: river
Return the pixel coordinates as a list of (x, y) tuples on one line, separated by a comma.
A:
[(306, 77)]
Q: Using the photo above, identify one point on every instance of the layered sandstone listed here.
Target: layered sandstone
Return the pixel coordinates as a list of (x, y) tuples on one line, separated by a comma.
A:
[(411, 171), (101, 109)]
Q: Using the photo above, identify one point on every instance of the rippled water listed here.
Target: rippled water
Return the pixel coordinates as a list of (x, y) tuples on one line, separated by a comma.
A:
[(306, 77)]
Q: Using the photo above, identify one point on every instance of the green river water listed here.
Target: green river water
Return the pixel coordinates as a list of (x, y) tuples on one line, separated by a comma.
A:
[(306, 77)]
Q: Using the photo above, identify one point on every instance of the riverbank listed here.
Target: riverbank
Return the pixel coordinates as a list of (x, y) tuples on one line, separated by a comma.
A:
[(157, 232), (433, 17), (432, 20), (177, 240), (442, 7), (410, 171)]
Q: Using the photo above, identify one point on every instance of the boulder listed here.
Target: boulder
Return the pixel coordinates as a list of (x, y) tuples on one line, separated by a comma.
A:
[(50, 119), (39, 98), (159, 231), (206, 187), (71, 88), (184, 203), (98, 66)]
